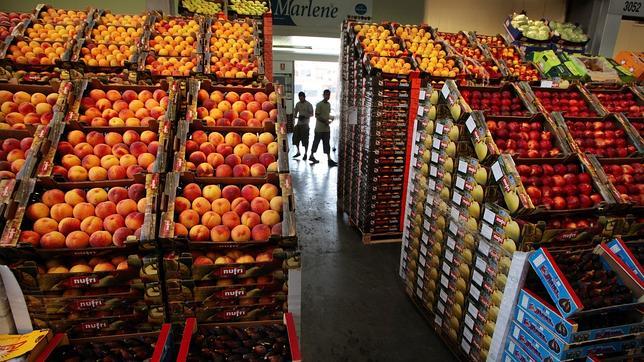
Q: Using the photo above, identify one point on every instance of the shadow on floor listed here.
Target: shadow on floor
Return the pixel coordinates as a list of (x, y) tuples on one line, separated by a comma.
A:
[(354, 307)]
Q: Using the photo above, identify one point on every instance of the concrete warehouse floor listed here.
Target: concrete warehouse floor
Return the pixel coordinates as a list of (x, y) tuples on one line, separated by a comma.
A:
[(354, 307)]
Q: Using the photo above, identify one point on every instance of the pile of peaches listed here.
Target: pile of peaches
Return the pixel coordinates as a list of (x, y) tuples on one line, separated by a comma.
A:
[(12, 156), (134, 21), (106, 55), (172, 66), (78, 219), (233, 109), (52, 32), (115, 34), (217, 214), (116, 109), (93, 265), (234, 257), (100, 156), (232, 50), (35, 52), (60, 16), (21, 108)]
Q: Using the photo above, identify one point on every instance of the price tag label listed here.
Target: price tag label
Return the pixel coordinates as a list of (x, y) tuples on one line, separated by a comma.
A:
[(426, 225), (441, 308), (473, 310), (489, 216), (477, 278), (486, 231), (436, 143), (467, 335), (422, 94), (465, 346), (419, 293), (433, 171), (421, 110), (496, 171), (470, 124), (457, 197), (414, 150), (475, 293), (445, 283), (431, 184), (484, 248), (439, 128), (443, 296), (430, 199), (460, 183), (428, 211), (438, 320), (425, 238), (481, 264), (469, 321), (420, 282), (421, 273), (423, 249), (421, 261), (451, 243), (462, 166), (546, 83), (453, 228), (449, 256), (446, 268), (434, 157), (445, 90), (454, 213)]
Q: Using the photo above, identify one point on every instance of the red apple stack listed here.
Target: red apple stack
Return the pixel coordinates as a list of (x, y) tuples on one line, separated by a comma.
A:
[(212, 154), (85, 218), (628, 180), (602, 138), (495, 102), (621, 102), (227, 214), (523, 139), (569, 102), (233, 109), (558, 186)]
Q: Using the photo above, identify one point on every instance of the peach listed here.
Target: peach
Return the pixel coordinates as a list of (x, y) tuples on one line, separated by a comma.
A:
[(273, 148), (207, 148), (89, 161), (210, 219), (113, 222), (245, 259), (97, 173), (204, 170), (258, 149), (30, 237), (77, 240), (80, 268), (191, 191), (44, 225), (118, 121), (232, 139), (199, 233), (189, 218), (113, 95), (120, 235), (199, 136), (220, 233), (230, 219), (258, 170), (133, 170), (103, 104), (16, 154), (125, 207), (109, 161), (261, 115), (215, 138), (250, 219), (224, 149), (68, 224), (153, 147), (134, 220), (16, 165), (240, 233), (266, 138), (215, 159), (224, 171), (276, 203), (202, 260), (180, 230), (82, 210), (230, 192), (43, 108), (117, 172), (277, 229), (103, 267), (220, 206), (97, 94), (113, 138), (91, 225), (240, 150), (102, 150), (249, 159), (98, 122), (96, 195), (52, 240), (270, 217), (100, 238), (157, 112), (61, 211), (76, 137), (120, 150), (130, 137), (266, 159), (105, 209), (127, 160), (136, 192), (26, 108), (129, 95), (116, 194), (141, 205), (240, 205), (268, 191), (201, 205), (197, 157), (68, 161), (136, 105), (249, 192), (14, 118), (246, 115), (77, 173), (211, 192), (181, 204), (261, 232), (57, 270), (137, 148), (37, 211), (259, 205), (249, 139)]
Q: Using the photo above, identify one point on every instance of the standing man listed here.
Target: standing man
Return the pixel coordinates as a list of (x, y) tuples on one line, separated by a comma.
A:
[(322, 129), (303, 111)]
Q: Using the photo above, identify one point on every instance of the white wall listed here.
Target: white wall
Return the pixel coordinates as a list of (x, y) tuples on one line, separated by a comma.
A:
[(630, 37)]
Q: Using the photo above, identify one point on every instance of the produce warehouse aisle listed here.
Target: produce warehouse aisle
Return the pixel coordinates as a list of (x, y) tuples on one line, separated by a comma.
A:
[(354, 307)]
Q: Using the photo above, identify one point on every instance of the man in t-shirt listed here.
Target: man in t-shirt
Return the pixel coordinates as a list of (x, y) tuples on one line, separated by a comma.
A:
[(322, 130), (303, 111)]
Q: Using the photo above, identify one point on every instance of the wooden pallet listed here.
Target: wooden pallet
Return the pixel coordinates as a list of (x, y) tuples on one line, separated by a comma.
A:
[(380, 238)]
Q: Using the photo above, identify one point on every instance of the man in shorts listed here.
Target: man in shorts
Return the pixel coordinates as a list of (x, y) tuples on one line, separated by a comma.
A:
[(303, 111), (322, 129)]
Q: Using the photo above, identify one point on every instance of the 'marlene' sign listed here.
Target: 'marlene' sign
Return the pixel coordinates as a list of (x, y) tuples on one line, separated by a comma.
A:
[(315, 13)]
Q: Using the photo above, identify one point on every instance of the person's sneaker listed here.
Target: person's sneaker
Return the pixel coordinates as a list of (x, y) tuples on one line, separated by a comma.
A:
[(304, 157), (297, 155), (313, 160), (332, 163)]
